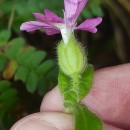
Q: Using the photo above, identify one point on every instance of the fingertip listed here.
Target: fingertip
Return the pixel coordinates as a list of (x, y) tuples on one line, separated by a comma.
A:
[(45, 121), (52, 101), (50, 121)]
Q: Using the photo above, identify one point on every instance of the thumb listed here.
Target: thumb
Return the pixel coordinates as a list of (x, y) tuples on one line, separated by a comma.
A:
[(50, 121)]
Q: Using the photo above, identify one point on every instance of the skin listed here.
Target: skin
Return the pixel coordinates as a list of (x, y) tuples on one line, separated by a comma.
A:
[(109, 98)]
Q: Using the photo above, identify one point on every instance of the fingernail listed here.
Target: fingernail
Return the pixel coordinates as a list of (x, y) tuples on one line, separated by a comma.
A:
[(36, 125)]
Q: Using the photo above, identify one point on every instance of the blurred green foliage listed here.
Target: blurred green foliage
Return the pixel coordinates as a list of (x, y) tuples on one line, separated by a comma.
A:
[(25, 63), (21, 62), (9, 101)]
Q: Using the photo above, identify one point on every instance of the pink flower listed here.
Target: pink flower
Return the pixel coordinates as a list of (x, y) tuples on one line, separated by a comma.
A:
[(52, 24)]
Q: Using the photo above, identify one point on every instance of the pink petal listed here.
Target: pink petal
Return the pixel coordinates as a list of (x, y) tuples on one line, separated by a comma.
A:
[(34, 25), (51, 17), (40, 17), (90, 24), (73, 8), (51, 31)]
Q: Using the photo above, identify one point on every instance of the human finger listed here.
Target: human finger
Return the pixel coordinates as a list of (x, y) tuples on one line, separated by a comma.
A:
[(109, 96), (50, 121)]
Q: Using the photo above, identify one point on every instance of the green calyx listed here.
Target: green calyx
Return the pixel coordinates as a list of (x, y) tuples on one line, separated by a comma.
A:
[(73, 70), (71, 57)]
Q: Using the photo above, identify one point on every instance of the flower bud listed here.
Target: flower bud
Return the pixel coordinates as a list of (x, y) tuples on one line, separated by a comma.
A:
[(71, 56)]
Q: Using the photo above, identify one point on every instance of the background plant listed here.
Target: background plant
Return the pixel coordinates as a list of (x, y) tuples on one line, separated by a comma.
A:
[(20, 62)]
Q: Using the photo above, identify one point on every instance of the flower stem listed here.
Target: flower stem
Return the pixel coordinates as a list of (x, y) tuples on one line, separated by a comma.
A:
[(75, 82)]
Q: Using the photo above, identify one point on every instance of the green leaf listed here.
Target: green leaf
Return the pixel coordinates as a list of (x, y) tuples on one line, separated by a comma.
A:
[(17, 41), (36, 59), (10, 69), (21, 74), (4, 85), (3, 61), (6, 96), (4, 36), (45, 67), (15, 46), (31, 70), (43, 86), (32, 82), (71, 96), (85, 82), (64, 82), (85, 119), (53, 74), (26, 53)]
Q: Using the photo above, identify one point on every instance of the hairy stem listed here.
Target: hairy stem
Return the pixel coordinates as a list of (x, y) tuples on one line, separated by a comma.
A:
[(75, 82)]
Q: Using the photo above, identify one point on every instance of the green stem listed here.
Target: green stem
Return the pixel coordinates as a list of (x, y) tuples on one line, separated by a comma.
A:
[(75, 81), (11, 19)]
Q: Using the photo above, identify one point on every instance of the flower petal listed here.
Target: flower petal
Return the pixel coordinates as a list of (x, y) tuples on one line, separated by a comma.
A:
[(40, 17), (51, 31), (90, 24), (51, 17), (73, 8), (34, 25)]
